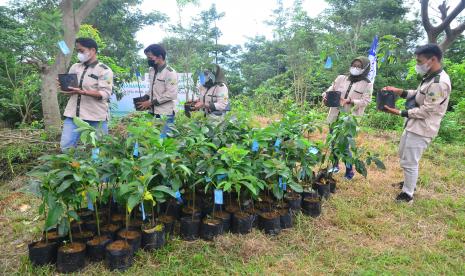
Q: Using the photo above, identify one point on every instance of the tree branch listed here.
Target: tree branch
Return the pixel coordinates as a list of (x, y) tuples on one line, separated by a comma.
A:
[(446, 22), (85, 9), (425, 17)]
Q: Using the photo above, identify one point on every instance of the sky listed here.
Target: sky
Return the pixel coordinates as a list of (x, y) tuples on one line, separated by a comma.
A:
[(243, 18)]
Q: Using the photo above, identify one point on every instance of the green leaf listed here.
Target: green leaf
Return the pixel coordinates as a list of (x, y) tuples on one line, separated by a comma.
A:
[(379, 164), (133, 200), (54, 215), (65, 185), (165, 189)]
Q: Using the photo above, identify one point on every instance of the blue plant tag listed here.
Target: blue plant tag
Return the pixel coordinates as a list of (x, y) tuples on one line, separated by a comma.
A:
[(178, 196), (142, 210), (90, 204), (255, 146), (135, 153), (218, 196), (282, 184), (329, 63), (63, 47), (208, 179), (163, 136), (313, 150), (221, 177), (277, 144), (95, 153)]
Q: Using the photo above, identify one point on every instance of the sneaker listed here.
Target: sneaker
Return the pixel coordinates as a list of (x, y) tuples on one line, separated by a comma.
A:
[(334, 170), (404, 197), (349, 174)]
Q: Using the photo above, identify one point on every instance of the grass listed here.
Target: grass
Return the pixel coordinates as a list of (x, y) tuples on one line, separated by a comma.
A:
[(361, 231)]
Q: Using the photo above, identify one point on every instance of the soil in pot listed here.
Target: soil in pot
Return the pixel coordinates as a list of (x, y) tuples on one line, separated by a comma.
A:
[(132, 237), (286, 218), (168, 222), (333, 98), (270, 222), (190, 228), (118, 219), (294, 200), (225, 217), (187, 212), (67, 80), (232, 208), (85, 215), (110, 230), (153, 237), (118, 255), (138, 100), (311, 206), (323, 189), (42, 253), (83, 236), (242, 223), (96, 248), (210, 228), (53, 236), (71, 257)]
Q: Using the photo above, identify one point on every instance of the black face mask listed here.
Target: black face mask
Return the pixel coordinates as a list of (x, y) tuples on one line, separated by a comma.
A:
[(209, 83), (151, 63)]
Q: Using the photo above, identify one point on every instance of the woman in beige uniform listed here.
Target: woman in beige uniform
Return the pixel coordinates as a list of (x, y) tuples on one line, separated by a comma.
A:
[(214, 95), (356, 91)]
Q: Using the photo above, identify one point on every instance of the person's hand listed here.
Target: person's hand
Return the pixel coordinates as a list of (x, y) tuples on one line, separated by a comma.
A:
[(391, 110), (76, 90), (144, 105), (324, 98), (345, 101), (396, 90), (198, 105)]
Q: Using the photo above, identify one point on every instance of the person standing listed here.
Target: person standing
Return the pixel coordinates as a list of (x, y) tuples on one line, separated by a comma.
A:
[(89, 101), (425, 108), (163, 90), (214, 95), (356, 90)]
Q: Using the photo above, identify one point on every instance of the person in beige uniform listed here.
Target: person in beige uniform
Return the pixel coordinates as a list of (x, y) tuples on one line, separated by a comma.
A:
[(214, 95), (356, 90), (163, 90), (89, 101), (425, 108)]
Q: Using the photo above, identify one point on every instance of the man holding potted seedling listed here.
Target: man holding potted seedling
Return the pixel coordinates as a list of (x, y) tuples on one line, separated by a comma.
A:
[(425, 108), (88, 101), (163, 90)]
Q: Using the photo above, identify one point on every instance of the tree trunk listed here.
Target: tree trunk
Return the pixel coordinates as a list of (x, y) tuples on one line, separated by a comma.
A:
[(71, 21)]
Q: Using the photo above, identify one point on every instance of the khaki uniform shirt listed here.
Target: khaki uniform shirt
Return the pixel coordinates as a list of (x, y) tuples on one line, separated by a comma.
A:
[(216, 98), (98, 77), (164, 89), (432, 98), (360, 95)]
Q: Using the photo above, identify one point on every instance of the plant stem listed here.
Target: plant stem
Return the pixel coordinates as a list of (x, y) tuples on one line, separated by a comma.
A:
[(69, 231), (193, 204), (97, 219)]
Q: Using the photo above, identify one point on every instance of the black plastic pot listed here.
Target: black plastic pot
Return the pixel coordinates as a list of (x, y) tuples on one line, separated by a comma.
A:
[(118, 255), (83, 236), (96, 248), (77, 226), (67, 80), (118, 219), (187, 212), (110, 230), (172, 208), (53, 236), (225, 217), (332, 186), (385, 97), (85, 215), (132, 237), (242, 223), (294, 201), (168, 222), (286, 219), (210, 228), (91, 226), (153, 238), (254, 213), (270, 223), (333, 98), (71, 257), (41, 253), (232, 209), (323, 189), (190, 228), (311, 206), (139, 100)]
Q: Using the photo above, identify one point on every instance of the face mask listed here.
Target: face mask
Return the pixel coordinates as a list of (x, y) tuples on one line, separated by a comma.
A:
[(151, 63), (355, 71), (423, 68), (83, 57)]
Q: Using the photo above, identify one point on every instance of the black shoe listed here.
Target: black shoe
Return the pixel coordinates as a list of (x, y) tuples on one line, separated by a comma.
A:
[(404, 197)]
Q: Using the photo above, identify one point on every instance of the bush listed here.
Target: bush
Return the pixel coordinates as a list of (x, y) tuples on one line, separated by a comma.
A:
[(380, 120), (453, 125)]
